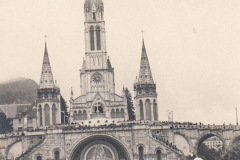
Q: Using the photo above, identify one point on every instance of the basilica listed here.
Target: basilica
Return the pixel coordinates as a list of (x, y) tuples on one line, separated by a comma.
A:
[(99, 127)]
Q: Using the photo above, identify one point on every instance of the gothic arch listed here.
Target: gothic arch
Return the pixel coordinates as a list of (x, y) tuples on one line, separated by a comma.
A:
[(92, 43), (141, 110), (122, 113), (84, 115), (148, 109), (54, 112), (75, 115), (80, 115), (118, 113), (40, 115), (47, 114), (98, 37), (206, 136), (113, 114), (79, 146), (155, 110)]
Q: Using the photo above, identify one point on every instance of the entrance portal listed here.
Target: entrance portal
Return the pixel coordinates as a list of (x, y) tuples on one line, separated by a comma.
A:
[(100, 148)]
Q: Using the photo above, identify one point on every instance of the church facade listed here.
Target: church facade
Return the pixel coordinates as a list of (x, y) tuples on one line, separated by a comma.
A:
[(99, 128)]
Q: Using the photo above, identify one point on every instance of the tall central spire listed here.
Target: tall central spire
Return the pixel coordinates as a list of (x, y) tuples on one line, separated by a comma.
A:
[(145, 74), (46, 80)]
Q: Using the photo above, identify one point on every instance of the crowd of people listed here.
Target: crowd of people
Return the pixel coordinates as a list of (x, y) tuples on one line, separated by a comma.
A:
[(97, 125), (165, 141)]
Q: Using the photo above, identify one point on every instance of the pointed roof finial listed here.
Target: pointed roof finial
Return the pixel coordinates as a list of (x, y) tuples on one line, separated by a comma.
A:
[(142, 34), (45, 36)]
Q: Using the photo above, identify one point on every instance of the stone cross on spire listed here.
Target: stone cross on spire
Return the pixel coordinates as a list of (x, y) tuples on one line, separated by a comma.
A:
[(46, 80)]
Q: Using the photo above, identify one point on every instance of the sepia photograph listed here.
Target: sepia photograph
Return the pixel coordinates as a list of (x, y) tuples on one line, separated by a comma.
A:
[(119, 80)]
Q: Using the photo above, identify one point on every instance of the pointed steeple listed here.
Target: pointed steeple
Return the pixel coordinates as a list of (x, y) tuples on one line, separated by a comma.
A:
[(46, 80), (145, 74)]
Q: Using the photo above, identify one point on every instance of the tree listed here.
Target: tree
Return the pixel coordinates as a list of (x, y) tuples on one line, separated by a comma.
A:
[(5, 124), (63, 109), (130, 107), (208, 154), (233, 153)]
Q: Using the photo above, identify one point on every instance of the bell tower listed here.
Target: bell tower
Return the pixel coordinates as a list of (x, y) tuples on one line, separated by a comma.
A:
[(145, 91), (98, 99), (95, 43), (96, 73)]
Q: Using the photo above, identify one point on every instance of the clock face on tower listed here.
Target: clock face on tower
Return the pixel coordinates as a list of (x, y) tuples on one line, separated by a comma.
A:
[(97, 78)]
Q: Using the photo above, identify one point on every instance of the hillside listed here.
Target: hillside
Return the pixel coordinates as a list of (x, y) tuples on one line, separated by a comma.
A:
[(18, 91)]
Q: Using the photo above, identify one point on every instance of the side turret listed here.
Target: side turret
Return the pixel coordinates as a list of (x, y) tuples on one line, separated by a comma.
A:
[(48, 96), (145, 91)]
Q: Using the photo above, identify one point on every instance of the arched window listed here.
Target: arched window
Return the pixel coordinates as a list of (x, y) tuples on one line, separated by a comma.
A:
[(47, 114), (80, 115), (140, 153), (39, 158), (113, 113), (75, 115), (159, 153), (155, 110), (94, 16), (84, 115), (122, 113), (92, 45), (98, 34), (117, 113), (56, 155), (54, 111), (40, 115), (141, 110), (148, 109)]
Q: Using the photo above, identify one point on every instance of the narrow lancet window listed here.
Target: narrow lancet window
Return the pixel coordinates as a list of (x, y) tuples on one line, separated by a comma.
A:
[(94, 16), (98, 32), (92, 38), (140, 153)]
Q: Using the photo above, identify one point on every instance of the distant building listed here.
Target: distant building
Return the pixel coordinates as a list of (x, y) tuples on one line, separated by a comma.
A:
[(22, 115), (213, 142)]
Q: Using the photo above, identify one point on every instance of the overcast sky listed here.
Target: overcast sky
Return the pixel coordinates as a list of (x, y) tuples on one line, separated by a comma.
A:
[(193, 48)]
